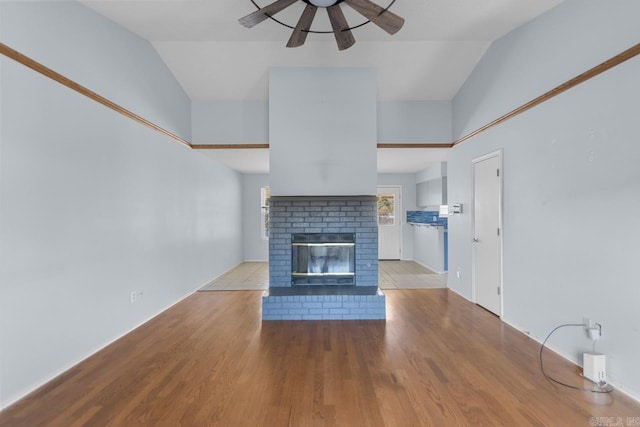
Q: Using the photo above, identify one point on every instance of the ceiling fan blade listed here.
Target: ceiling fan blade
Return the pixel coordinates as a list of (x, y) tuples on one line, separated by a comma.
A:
[(390, 22), (299, 35), (341, 31), (261, 14)]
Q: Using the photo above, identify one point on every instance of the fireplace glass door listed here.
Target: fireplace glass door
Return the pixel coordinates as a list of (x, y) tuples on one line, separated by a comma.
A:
[(324, 259)]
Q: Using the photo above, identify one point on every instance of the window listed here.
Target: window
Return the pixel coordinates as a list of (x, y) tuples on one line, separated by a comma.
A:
[(265, 194), (386, 209)]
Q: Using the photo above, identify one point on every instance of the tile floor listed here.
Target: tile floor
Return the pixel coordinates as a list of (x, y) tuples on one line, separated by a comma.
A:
[(408, 275), (392, 275)]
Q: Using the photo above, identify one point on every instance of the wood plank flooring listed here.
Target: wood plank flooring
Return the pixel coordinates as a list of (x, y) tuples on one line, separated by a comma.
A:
[(210, 361)]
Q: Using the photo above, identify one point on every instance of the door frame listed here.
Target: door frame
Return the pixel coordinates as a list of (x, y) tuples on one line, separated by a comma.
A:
[(496, 153), (399, 215)]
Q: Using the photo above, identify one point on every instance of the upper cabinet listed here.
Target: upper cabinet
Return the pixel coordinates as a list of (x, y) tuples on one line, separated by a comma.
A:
[(432, 192)]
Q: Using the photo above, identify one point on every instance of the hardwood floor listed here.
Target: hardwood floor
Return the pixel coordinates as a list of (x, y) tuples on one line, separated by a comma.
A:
[(210, 360)]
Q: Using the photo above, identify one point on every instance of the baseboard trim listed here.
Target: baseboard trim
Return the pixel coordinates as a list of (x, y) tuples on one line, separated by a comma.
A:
[(208, 282), (21, 395), (632, 394), (460, 295), (615, 384), (430, 268)]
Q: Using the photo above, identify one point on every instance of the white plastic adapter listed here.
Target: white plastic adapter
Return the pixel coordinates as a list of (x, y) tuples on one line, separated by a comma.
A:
[(595, 367)]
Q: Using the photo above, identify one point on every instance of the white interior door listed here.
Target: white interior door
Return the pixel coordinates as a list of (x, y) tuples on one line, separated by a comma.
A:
[(389, 221), (487, 232)]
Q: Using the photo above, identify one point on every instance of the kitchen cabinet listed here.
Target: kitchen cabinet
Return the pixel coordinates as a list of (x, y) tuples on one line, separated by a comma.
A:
[(430, 247), (432, 192)]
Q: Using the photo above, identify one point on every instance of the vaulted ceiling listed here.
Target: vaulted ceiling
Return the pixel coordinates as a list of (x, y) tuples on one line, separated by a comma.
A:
[(213, 57)]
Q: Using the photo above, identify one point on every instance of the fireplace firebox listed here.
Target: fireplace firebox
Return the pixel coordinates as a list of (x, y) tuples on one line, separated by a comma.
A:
[(323, 259)]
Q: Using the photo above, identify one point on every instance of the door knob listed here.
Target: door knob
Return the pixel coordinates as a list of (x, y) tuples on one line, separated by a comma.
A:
[(476, 240)]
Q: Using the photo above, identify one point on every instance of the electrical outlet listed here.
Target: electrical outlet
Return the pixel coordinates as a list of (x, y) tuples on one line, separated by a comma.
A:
[(594, 333), (134, 296), (592, 328)]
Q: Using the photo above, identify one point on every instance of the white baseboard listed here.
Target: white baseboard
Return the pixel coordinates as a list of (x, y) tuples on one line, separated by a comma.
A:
[(208, 282), (13, 399), (615, 384), (429, 267), (633, 394), (255, 260), (461, 295)]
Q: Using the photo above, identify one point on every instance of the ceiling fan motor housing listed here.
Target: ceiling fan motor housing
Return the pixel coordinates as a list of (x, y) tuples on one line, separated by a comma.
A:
[(322, 3)]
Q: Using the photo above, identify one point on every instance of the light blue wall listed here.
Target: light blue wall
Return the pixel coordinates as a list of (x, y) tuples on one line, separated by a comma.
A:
[(414, 121), (561, 44), (255, 247), (88, 49), (94, 205), (571, 179), (432, 172), (230, 122), (247, 122), (322, 131)]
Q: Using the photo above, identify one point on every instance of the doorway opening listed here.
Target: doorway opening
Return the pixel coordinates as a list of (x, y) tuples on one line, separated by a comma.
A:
[(390, 222)]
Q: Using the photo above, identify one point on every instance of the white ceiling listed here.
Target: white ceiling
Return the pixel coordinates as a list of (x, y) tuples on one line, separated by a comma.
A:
[(213, 57)]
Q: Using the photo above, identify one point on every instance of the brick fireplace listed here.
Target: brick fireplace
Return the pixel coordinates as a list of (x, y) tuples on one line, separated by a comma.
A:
[(323, 215), (291, 299)]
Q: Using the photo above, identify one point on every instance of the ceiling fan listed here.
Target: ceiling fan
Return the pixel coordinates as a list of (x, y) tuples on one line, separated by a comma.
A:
[(384, 19)]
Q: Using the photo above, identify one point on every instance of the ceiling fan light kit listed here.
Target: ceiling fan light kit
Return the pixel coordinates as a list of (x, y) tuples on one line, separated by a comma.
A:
[(382, 17)]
